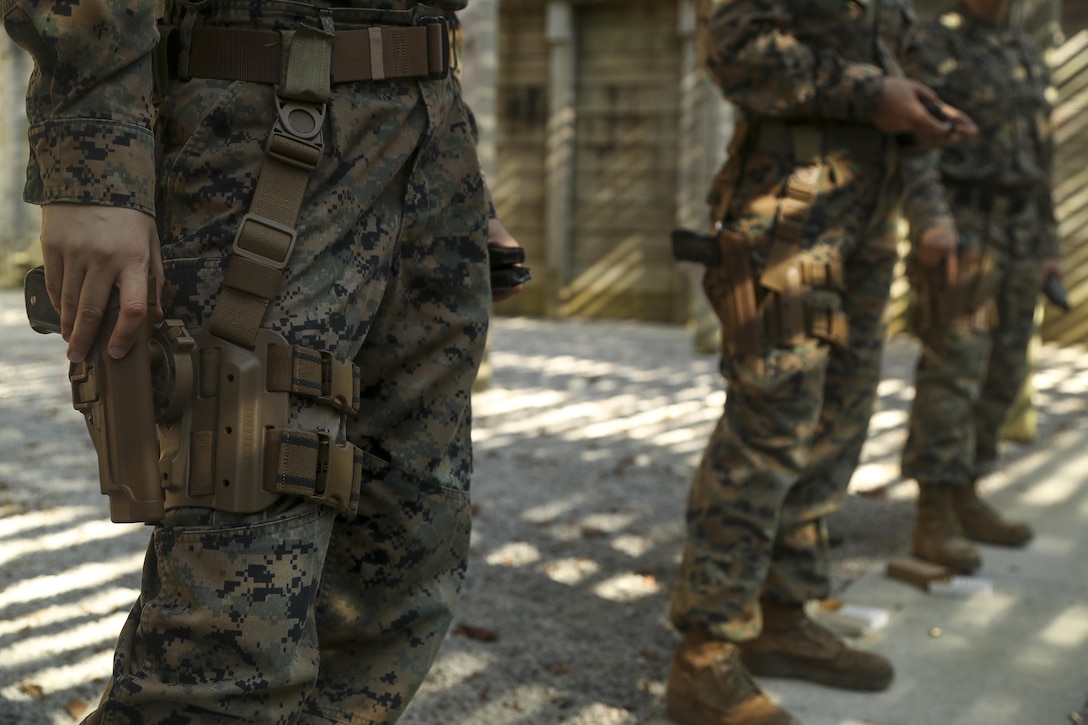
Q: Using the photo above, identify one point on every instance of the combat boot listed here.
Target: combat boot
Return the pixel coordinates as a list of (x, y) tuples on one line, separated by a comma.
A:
[(708, 685), (792, 645), (982, 522), (938, 536)]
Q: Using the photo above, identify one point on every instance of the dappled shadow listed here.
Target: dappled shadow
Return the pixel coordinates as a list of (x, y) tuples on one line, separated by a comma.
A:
[(585, 443)]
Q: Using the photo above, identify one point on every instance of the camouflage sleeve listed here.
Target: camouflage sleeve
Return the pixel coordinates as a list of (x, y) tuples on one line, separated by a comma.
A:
[(1050, 244), (764, 67), (88, 103), (924, 204)]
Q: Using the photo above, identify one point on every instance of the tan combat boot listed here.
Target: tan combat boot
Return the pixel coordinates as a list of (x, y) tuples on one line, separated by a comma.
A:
[(937, 534), (983, 523), (792, 645), (708, 685)]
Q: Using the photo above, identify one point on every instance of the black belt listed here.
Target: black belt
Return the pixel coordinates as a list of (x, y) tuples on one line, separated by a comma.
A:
[(787, 139), (366, 54)]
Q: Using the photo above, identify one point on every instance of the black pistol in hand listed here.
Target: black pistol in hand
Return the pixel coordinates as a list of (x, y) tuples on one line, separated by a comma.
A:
[(1055, 292), (935, 110), (507, 271)]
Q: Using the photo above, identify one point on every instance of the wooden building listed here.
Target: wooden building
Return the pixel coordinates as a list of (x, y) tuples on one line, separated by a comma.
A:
[(1069, 63), (605, 138), (601, 134)]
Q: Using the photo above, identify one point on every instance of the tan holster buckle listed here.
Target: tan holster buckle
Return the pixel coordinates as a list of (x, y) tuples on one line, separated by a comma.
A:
[(335, 472)]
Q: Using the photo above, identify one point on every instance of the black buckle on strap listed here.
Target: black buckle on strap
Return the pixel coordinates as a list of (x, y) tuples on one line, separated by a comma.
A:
[(443, 30)]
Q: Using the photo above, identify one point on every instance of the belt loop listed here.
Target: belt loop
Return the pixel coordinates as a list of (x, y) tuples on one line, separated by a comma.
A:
[(439, 51), (306, 74), (161, 72), (185, 42), (377, 57)]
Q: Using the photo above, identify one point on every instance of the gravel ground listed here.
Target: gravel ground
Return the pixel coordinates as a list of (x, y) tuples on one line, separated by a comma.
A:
[(585, 439)]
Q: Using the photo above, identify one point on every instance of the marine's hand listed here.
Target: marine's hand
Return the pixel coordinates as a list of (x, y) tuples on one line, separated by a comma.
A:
[(88, 250), (1052, 267), (938, 245), (902, 110), (962, 125), (498, 236)]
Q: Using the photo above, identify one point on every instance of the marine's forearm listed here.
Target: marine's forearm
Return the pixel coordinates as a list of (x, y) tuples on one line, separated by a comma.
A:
[(752, 51), (89, 101)]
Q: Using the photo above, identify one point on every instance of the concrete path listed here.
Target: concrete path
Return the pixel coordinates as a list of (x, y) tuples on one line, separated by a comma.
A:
[(585, 443), (1018, 657)]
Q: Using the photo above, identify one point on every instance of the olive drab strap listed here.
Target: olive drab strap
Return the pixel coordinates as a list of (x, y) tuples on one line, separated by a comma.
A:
[(782, 274), (313, 465), (247, 372), (228, 445), (304, 63), (317, 375), (266, 236), (791, 218)]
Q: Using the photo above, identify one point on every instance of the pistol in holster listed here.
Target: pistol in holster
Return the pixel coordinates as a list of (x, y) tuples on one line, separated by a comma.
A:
[(114, 396), (728, 284), (969, 300), (193, 420), (794, 297)]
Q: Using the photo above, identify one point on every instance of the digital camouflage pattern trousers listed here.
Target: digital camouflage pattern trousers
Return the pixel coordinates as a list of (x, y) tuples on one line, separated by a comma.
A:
[(297, 614), (968, 376), (795, 417)]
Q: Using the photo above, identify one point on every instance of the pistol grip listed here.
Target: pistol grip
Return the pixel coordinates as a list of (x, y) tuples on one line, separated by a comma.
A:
[(40, 313)]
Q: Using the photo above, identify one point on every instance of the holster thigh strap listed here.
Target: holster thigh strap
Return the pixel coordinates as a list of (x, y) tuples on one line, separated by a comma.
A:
[(313, 466), (314, 374)]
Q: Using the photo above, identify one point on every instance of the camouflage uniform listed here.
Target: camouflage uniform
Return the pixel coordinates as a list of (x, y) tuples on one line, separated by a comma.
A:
[(795, 415), (295, 614), (999, 191)]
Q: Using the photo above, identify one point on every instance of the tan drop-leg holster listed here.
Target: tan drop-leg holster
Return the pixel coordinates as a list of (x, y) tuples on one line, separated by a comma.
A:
[(224, 392), (969, 301), (795, 296)]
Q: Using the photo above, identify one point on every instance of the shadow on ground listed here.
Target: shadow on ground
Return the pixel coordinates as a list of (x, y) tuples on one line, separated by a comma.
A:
[(585, 443)]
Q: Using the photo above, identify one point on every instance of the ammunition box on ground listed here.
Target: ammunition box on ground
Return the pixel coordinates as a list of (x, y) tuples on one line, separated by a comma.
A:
[(917, 572)]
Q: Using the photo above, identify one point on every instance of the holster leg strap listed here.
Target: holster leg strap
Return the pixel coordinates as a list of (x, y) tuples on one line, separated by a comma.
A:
[(314, 466), (315, 374)]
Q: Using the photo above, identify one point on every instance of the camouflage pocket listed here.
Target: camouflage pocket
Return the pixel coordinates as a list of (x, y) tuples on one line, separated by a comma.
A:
[(191, 287), (773, 368)]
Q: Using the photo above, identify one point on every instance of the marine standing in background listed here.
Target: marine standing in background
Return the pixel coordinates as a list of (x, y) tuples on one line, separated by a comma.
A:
[(805, 212), (975, 334), (310, 171)]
